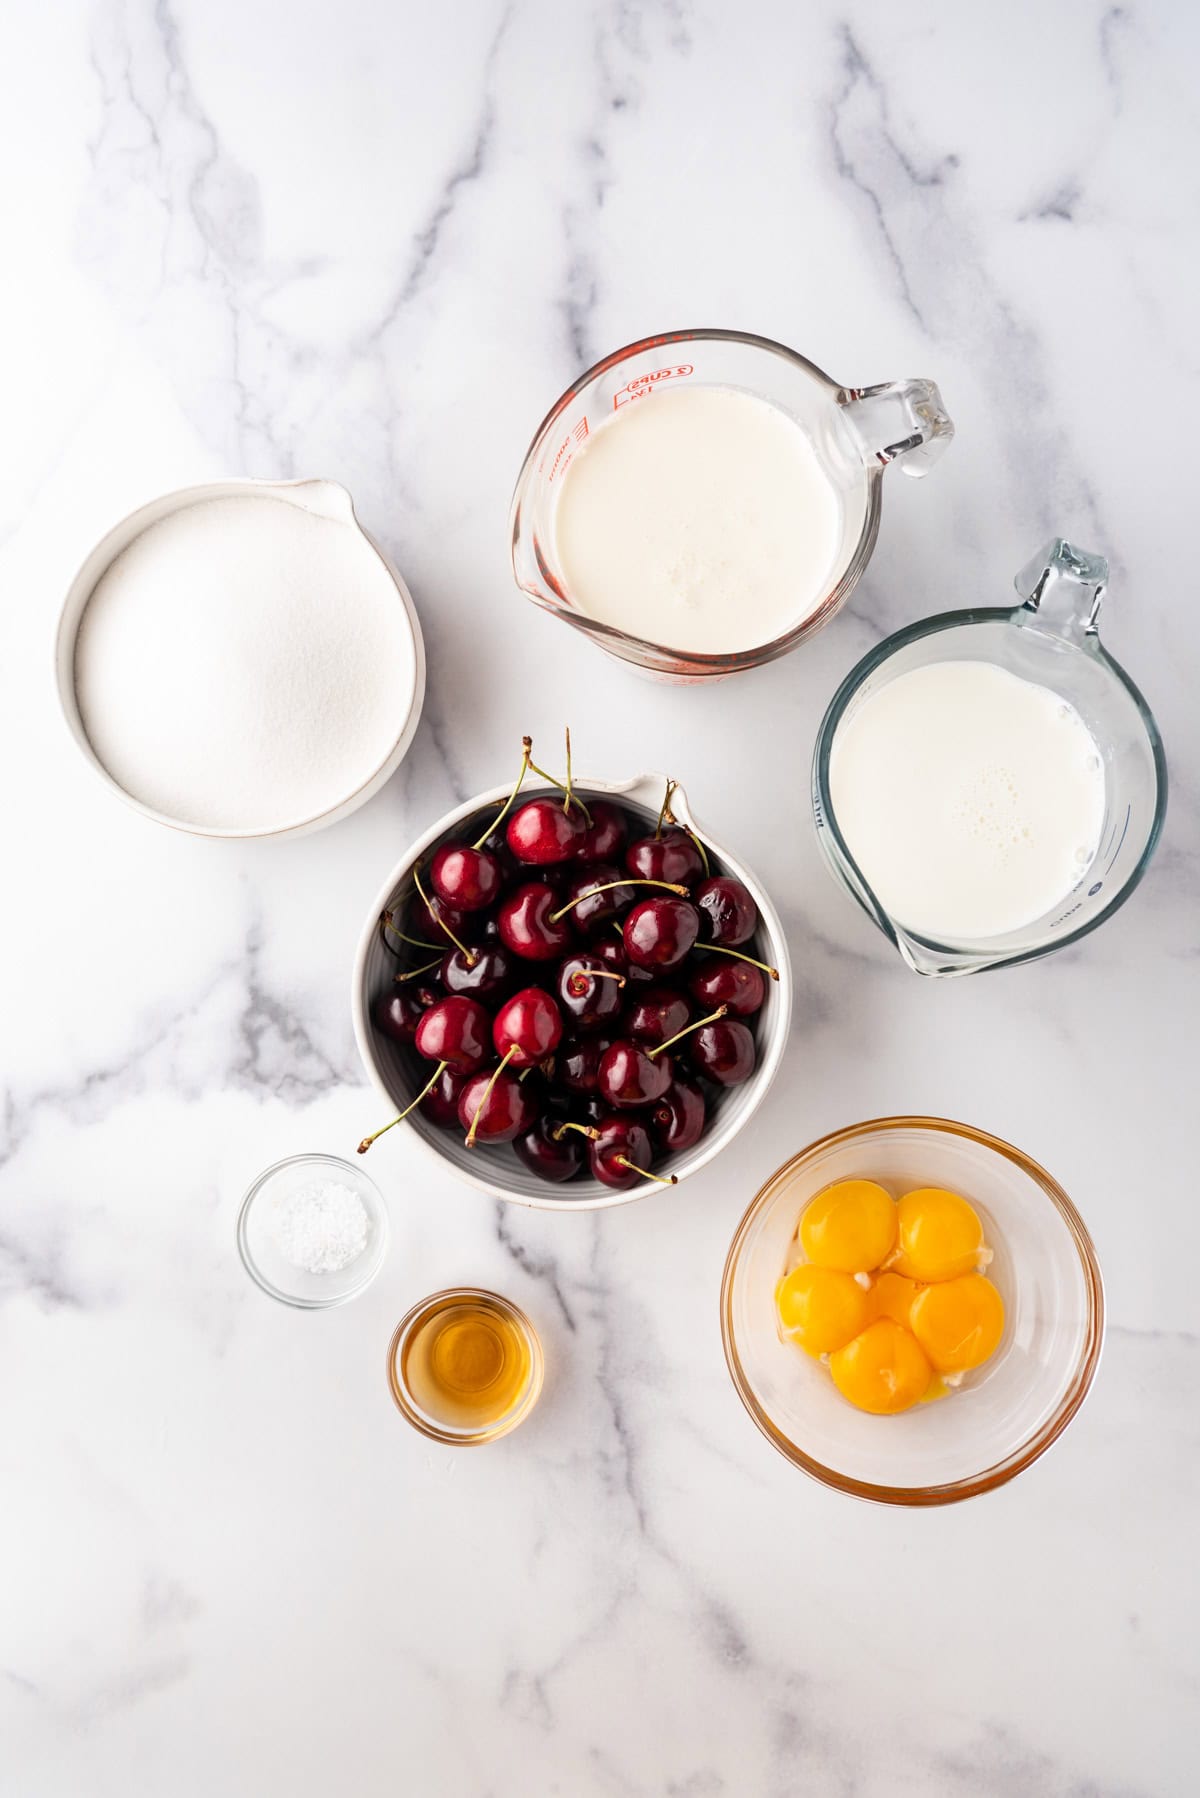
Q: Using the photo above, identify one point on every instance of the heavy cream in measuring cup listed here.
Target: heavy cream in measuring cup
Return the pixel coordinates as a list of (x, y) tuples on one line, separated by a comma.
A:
[(700, 520), (971, 800)]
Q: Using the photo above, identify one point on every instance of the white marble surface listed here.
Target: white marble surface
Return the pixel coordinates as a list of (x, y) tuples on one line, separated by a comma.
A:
[(374, 241)]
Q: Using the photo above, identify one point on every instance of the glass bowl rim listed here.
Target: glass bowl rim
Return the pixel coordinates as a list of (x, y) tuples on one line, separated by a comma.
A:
[(408, 1407), (382, 1222), (823, 749), (1030, 1450)]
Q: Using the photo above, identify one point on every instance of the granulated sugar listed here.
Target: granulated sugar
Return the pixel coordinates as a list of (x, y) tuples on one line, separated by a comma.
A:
[(320, 1228), (244, 665)]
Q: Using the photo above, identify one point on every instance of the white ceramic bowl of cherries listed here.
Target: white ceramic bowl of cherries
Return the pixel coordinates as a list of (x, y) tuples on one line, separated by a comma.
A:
[(570, 992)]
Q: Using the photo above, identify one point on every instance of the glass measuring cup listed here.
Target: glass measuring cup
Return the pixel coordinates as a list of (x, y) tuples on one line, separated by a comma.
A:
[(1052, 639), (856, 432)]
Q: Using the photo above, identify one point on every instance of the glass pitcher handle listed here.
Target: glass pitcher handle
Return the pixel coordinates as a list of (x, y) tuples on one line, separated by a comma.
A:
[(899, 421), (1064, 588)]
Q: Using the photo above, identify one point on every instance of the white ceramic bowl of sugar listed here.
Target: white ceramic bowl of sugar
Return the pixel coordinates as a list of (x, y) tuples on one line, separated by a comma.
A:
[(241, 660)]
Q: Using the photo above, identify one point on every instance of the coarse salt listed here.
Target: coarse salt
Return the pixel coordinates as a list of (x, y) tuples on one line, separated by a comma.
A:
[(322, 1228)]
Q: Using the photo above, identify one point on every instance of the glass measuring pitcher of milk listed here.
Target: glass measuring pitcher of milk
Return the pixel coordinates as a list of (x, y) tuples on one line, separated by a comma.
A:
[(717, 530), (987, 803)]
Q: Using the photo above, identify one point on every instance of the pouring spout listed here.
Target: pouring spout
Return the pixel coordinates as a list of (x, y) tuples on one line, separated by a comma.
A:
[(940, 963)]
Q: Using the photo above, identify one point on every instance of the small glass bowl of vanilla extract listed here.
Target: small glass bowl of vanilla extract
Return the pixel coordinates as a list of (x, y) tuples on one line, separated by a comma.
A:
[(465, 1366)]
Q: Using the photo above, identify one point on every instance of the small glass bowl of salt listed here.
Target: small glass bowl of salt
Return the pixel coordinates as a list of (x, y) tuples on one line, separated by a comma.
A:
[(312, 1231)]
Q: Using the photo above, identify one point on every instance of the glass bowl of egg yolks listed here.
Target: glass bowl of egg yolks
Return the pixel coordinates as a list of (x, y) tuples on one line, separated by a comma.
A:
[(1006, 1411)]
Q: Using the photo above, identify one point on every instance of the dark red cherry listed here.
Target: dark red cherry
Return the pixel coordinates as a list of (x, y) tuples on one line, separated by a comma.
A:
[(630, 1077), (577, 1064), (552, 1157), (620, 1153), (528, 1027), (491, 975), (658, 933), (723, 1052), (604, 837), (456, 1030), (591, 908), (728, 914), (678, 1119), (497, 847), (558, 877), (500, 1115), (397, 1012), (542, 833), (736, 985), (428, 993), (587, 993), (440, 1103), (548, 1094), (673, 857), (655, 1013), (526, 926), (467, 879), (611, 951), (424, 920), (412, 932)]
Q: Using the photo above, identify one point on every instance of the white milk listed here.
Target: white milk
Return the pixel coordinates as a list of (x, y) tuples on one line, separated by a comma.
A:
[(699, 519), (971, 800)]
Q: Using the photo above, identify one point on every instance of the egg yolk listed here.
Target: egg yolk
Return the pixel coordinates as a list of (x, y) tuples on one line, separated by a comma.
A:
[(958, 1323), (892, 1296), (940, 1236), (820, 1308), (883, 1370), (850, 1226)]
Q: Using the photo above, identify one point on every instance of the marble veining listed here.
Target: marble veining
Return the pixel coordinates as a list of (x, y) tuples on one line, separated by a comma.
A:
[(374, 243)]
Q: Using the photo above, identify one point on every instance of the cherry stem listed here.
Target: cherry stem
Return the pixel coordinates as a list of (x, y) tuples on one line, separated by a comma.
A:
[(574, 797), (468, 955), (567, 800), (667, 816), (417, 942), (414, 973), (687, 1031), (701, 851), (720, 949), (671, 886), (665, 808), (663, 1179), (578, 983), (583, 1129), (432, 1081), (487, 1093), (501, 815)]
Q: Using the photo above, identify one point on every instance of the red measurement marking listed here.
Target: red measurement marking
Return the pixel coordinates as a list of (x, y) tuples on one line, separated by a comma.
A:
[(567, 448), (643, 384)]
